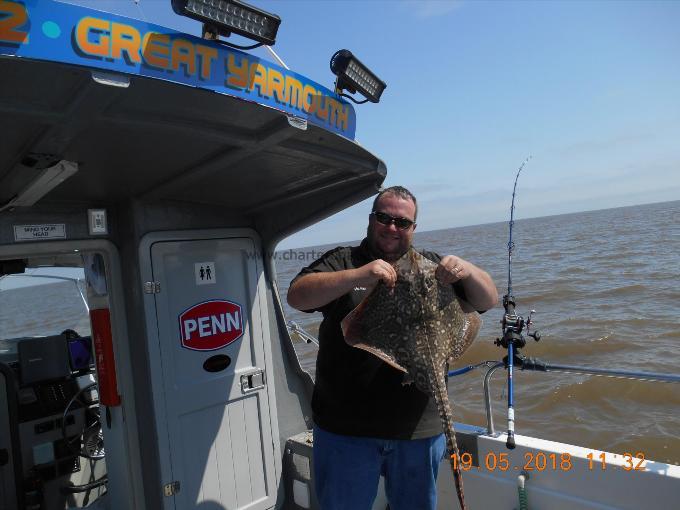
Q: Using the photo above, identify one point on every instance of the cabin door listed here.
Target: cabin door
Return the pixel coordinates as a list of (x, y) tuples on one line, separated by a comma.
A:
[(215, 366)]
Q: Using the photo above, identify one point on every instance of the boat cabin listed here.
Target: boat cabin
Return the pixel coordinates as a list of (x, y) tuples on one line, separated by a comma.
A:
[(171, 191)]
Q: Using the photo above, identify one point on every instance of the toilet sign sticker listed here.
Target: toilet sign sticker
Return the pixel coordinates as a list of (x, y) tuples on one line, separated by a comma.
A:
[(211, 325), (205, 273)]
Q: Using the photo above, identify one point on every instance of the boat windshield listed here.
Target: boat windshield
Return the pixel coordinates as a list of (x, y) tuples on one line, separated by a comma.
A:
[(43, 301)]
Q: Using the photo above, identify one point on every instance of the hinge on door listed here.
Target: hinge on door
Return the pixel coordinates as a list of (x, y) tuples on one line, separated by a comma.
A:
[(152, 287), (170, 489)]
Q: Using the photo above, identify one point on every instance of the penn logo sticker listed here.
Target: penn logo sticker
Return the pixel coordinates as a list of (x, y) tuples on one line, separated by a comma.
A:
[(211, 325)]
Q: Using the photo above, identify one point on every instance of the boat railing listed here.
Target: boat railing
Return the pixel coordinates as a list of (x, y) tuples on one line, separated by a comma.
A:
[(536, 365), (531, 364), (294, 327)]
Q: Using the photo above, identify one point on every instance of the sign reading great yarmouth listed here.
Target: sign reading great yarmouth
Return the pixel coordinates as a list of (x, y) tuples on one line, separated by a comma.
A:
[(59, 32), (211, 325)]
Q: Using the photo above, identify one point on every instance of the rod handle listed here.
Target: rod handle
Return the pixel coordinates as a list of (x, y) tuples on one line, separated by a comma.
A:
[(510, 443)]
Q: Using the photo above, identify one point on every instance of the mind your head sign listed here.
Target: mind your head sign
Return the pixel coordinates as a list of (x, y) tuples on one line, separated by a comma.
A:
[(53, 31)]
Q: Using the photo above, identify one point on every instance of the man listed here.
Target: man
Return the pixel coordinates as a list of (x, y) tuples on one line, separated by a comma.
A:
[(368, 423)]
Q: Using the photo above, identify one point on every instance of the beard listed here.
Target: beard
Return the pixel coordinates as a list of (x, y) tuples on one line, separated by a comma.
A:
[(380, 253)]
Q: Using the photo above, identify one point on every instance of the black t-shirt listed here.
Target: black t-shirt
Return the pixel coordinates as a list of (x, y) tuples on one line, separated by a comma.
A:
[(356, 393)]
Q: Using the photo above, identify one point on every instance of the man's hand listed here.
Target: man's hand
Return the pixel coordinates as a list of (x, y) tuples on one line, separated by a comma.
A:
[(451, 269), (373, 272), (480, 290)]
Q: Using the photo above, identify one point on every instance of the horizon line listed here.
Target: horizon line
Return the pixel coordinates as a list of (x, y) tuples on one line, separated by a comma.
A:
[(481, 224)]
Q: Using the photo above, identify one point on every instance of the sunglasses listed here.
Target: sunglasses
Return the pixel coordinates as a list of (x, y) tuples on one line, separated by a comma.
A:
[(386, 219)]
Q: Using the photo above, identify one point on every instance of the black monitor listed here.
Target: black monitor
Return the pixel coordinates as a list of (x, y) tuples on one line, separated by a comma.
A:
[(43, 359)]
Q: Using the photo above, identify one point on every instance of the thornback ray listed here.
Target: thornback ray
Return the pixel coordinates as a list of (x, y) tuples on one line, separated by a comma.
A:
[(417, 327)]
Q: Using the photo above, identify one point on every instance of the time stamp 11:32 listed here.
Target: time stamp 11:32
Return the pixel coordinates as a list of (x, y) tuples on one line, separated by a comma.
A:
[(540, 461)]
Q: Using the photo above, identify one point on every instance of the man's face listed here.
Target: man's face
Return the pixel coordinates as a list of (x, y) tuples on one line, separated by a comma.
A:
[(387, 241)]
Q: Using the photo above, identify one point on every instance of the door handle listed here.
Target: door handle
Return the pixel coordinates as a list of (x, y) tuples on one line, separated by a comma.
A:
[(252, 381)]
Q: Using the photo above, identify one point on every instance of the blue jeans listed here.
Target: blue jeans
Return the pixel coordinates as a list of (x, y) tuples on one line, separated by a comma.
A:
[(347, 470)]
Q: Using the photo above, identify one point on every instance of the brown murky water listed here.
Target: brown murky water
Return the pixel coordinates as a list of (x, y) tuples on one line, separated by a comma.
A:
[(605, 286)]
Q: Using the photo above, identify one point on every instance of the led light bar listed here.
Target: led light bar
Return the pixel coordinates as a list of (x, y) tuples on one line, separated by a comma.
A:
[(355, 76), (232, 16)]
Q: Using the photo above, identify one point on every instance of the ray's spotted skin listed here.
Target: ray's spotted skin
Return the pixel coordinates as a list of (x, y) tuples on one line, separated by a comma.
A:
[(417, 326)]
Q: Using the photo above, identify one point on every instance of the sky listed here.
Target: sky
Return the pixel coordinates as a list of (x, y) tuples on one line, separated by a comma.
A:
[(590, 90)]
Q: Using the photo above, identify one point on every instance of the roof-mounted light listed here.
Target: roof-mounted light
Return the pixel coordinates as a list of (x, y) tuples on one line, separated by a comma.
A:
[(355, 77), (48, 179), (232, 16)]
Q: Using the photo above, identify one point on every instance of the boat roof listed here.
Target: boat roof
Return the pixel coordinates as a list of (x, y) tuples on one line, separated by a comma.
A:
[(150, 114)]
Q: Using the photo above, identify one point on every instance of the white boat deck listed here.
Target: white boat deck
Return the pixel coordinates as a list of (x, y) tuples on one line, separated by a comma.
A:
[(559, 476)]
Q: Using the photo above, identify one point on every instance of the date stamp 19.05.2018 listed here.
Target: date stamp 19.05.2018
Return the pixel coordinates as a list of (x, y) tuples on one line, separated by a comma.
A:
[(541, 461)]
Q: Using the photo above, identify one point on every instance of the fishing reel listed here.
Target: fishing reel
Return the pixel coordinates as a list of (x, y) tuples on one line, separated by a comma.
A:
[(513, 325)]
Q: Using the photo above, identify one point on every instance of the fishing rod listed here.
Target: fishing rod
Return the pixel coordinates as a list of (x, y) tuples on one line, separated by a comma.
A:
[(513, 325)]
